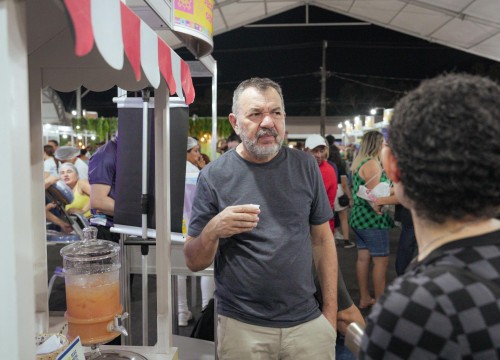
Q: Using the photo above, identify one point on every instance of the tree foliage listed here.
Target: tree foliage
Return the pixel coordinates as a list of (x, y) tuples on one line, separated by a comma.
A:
[(102, 128), (199, 126)]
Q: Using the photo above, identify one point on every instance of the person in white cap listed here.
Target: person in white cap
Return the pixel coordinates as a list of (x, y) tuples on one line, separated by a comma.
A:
[(193, 157), (70, 154), (317, 147)]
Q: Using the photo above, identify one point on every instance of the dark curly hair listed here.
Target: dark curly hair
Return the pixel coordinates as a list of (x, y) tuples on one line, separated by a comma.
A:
[(446, 138)]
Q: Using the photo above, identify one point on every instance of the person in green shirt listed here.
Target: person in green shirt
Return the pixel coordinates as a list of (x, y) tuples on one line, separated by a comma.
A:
[(369, 224)]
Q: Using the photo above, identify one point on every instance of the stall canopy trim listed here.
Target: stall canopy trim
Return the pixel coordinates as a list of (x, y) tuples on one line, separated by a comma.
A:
[(116, 29)]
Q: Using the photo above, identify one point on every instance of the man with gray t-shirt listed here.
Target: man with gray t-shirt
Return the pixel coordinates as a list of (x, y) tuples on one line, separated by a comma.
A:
[(261, 213)]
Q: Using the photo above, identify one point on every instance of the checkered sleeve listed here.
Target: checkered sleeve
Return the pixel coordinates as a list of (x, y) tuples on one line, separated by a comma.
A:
[(443, 316)]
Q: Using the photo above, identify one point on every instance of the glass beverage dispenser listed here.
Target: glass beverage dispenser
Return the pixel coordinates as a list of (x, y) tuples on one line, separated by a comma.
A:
[(91, 272)]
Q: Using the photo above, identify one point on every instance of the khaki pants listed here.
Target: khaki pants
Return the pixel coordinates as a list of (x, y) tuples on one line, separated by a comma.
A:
[(313, 340)]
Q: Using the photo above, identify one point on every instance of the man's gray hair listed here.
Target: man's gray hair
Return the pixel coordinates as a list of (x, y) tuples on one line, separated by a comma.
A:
[(260, 84)]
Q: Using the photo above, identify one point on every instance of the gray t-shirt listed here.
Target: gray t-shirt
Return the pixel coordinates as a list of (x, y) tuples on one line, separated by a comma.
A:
[(264, 277)]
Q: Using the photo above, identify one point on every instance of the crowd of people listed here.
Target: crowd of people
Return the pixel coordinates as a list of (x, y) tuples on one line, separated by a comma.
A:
[(63, 163), (265, 214)]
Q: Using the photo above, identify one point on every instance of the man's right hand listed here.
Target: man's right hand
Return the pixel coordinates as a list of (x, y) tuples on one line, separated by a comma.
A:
[(235, 220), (199, 252)]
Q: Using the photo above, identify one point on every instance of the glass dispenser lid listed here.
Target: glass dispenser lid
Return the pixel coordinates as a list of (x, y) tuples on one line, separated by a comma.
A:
[(90, 256), (90, 250)]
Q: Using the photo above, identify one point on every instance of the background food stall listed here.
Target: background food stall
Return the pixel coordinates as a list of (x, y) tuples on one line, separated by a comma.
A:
[(65, 45)]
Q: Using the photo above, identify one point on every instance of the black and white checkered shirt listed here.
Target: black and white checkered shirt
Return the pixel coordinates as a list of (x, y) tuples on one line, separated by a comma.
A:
[(433, 313)]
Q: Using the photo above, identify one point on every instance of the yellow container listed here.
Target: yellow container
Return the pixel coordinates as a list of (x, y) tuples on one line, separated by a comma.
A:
[(41, 338)]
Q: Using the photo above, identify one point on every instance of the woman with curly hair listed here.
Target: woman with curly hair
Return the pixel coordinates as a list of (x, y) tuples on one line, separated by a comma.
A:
[(443, 157)]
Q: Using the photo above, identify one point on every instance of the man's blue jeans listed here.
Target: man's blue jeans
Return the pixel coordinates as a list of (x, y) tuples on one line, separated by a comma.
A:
[(341, 351)]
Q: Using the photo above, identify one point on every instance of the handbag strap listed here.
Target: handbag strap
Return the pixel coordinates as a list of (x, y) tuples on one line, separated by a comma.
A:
[(374, 176)]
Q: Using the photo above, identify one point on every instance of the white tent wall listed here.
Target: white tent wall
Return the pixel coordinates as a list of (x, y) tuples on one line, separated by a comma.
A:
[(49, 113), (18, 220)]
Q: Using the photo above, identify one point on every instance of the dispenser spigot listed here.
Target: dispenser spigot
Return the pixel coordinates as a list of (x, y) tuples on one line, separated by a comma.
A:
[(117, 324)]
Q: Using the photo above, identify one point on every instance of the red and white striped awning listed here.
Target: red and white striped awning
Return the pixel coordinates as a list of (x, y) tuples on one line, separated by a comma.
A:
[(115, 29)]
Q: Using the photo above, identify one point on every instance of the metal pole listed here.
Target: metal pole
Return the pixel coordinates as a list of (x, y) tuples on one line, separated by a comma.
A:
[(214, 113), (79, 102), (323, 91), (144, 205), (175, 304), (126, 289), (145, 108)]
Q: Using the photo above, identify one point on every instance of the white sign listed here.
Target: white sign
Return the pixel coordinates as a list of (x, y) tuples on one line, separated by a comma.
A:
[(73, 352)]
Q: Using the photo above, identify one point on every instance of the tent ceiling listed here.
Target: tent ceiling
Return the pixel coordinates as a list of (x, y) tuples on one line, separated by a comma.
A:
[(468, 25)]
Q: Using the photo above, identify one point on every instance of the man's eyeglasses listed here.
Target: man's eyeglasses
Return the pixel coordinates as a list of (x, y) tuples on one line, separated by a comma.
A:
[(259, 116)]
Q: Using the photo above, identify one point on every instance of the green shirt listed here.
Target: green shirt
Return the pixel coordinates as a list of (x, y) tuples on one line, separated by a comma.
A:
[(362, 214)]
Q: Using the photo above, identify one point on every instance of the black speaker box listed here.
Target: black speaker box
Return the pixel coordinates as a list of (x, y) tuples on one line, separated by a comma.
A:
[(129, 167)]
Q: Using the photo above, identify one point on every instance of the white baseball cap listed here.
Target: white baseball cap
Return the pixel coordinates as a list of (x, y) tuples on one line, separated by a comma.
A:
[(191, 143), (313, 141)]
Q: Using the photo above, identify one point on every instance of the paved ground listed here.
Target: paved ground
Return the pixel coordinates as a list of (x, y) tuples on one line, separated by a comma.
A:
[(57, 304), (347, 261)]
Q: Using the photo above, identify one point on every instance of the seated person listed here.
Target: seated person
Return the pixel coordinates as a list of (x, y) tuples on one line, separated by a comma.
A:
[(80, 188), (69, 154), (54, 219)]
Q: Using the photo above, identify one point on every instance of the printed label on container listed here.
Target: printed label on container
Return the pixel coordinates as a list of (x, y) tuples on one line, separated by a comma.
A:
[(73, 352)]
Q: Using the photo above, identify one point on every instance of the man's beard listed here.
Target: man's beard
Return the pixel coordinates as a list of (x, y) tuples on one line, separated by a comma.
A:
[(261, 152)]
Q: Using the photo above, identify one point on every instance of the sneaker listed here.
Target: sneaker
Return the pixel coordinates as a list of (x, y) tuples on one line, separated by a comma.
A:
[(338, 235), (184, 318), (348, 244)]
